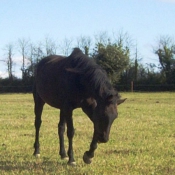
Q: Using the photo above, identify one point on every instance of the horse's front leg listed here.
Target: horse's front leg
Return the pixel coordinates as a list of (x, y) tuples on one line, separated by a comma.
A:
[(88, 155), (67, 113)]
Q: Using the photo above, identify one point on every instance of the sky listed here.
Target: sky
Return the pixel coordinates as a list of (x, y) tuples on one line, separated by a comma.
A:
[(143, 20)]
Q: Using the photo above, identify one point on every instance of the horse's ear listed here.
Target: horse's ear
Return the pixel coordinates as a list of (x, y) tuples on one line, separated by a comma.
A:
[(72, 70), (119, 101), (92, 102)]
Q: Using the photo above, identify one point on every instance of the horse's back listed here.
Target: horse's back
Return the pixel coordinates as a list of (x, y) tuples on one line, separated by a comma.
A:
[(49, 60)]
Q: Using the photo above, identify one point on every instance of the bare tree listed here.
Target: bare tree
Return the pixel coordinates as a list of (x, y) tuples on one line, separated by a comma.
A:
[(38, 53), (66, 46), (23, 45), (84, 43), (31, 59), (9, 60), (123, 38), (50, 46), (102, 38)]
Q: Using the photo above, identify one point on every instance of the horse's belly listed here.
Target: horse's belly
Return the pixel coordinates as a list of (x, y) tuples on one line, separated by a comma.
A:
[(54, 102), (49, 96), (57, 97)]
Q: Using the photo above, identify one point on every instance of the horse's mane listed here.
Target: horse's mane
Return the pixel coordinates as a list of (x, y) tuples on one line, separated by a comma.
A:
[(92, 73)]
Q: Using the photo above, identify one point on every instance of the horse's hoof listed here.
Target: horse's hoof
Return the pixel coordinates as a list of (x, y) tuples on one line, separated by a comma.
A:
[(37, 155), (72, 163), (65, 158), (86, 159)]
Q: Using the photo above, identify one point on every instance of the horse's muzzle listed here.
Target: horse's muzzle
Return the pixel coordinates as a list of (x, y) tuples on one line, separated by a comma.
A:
[(102, 140)]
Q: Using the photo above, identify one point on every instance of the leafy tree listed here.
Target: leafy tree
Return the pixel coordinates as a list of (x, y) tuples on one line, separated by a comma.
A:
[(166, 55), (113, 57), (134, 72)]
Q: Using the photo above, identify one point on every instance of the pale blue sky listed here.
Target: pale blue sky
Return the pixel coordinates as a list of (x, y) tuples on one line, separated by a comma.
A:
[(143, 20)]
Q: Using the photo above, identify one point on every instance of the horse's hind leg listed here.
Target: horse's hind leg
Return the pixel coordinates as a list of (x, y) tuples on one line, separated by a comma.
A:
[(39, 103), (61, 130), (66, 113)]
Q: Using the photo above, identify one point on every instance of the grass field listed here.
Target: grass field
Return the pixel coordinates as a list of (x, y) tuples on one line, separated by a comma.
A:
[(142, 139)]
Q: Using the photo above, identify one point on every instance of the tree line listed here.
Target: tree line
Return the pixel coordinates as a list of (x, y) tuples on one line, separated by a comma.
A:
[(116, 54)]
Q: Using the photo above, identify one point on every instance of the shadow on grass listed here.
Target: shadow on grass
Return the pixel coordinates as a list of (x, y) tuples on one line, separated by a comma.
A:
[(125, 151), (31, 166)]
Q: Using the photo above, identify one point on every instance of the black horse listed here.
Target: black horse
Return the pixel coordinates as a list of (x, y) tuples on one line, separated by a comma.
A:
[(72, 82)]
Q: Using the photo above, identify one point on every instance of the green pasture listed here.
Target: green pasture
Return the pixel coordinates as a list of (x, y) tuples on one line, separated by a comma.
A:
[(142, 139)]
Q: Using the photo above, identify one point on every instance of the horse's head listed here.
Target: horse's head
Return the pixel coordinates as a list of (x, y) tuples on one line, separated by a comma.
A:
[(102, 113)]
